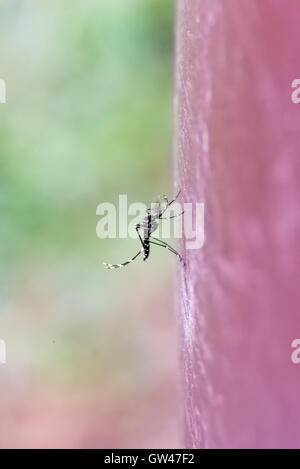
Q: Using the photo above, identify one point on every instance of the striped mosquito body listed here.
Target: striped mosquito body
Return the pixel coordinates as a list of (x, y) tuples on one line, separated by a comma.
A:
[(149, 225), (146, 248)]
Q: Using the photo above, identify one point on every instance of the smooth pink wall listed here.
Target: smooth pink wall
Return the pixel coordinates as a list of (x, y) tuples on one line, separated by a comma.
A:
[(238, 151)]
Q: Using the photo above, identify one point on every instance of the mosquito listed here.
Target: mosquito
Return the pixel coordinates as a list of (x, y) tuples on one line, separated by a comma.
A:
[(147, 226)]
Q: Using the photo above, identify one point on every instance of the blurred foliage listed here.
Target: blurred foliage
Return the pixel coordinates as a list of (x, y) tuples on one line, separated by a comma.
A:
[(88, 117)]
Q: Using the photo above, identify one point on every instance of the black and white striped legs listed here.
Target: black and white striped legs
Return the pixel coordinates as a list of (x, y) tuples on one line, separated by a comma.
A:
[(117, 266)]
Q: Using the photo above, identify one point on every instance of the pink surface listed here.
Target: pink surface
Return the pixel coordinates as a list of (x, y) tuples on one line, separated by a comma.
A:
[(238, 151)]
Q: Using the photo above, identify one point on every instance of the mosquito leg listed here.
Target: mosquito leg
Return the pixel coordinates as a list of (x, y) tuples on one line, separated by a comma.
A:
[(172, 201), (173, 216), (117, 266), (165, 245), (175, 198), (169, 249)]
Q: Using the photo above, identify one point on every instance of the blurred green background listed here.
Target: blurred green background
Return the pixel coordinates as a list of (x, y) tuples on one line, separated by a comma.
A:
[(91, 353)]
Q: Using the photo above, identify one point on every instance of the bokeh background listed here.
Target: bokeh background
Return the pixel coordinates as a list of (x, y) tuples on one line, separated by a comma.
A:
[(91, 353)]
